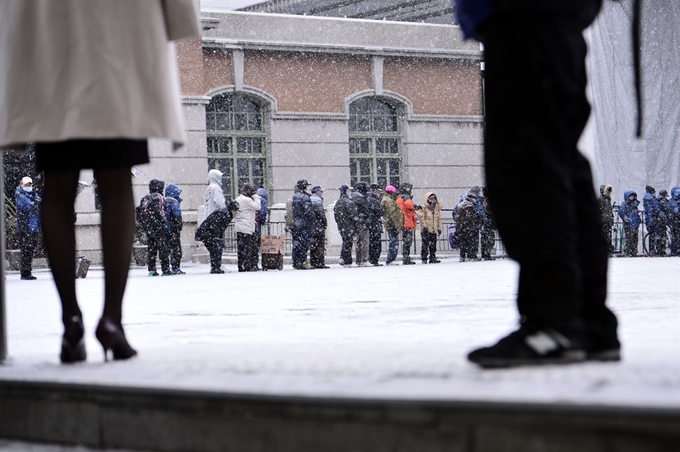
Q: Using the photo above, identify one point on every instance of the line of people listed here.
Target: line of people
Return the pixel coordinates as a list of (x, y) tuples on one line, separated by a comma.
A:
[(661, 217)]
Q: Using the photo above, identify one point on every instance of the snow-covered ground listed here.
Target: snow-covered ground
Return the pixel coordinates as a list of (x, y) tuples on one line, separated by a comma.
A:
[(387, 332)]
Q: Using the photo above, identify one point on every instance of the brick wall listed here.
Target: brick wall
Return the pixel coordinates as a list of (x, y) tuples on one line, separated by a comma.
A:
[(190, 65)]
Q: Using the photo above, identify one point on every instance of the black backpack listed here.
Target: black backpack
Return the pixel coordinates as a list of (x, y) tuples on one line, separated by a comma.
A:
[(151, 214)]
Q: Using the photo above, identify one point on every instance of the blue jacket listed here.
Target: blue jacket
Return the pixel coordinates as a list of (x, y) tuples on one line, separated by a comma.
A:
[(303, 214), (473, 13), (264, 208), (674, 203), (28, 211), (173, 211), (652, 208), (628, 210)]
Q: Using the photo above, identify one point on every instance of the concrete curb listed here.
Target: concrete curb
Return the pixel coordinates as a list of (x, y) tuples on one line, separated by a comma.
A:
[(175, 420)]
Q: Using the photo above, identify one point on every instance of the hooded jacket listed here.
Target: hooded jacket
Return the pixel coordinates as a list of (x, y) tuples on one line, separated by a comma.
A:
[(652, 209), (628, 210), (604, 202), (430, 217), (394, 217), (409, 210), (173, 211), (214, 196), (466, 218)]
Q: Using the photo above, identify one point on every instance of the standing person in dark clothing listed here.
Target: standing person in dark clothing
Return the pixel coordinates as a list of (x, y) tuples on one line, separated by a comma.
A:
[(535, 113), (674, 220), (151, 214), (244, 225), (664, 221), (28, 224), (488, 228), (375, 225), (652, 209), (430, 216), (604, 202), (303, 221), (394, 223), (474, 241), (362, 223), (261, 217), (467, 225), (317, 250), (173, 231), (345, 213), (405, 203), (629, 214)]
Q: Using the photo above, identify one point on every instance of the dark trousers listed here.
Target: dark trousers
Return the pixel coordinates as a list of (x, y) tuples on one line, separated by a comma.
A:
[(301, 244), (157, 245), (631, 241), (535, 114), (474, 244), (374, 245), (174, 249), (428, 247), (657, 239), (607, 235), (488, 236), (675, 239), (407, 241), (28, 243), (346, 250), (247, 252), (215, 249), (468, 239), (317, 249), (362, 245)]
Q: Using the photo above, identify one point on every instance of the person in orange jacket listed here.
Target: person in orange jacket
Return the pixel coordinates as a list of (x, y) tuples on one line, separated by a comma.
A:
[(405, 203)]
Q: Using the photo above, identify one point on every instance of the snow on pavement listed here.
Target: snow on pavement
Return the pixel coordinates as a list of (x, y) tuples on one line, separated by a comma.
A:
[(388, 332)]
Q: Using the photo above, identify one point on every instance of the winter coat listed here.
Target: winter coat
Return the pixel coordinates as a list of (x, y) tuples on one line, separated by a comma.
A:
[(472, 13), (214, 196), (363, 219), (91, 69), (674, 206), (409, 210), (28, 211), (375, 212), (320, 222), (173, 211), (466, 218), (303, 214), (604, 202), (244, 220), (264, 207), (628, 210), (394, 217), (652, 209), (214, 226), (345, 213), (430, 216)]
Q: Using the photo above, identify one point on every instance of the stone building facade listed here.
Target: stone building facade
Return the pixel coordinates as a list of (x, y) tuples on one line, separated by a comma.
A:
[(271, 99)]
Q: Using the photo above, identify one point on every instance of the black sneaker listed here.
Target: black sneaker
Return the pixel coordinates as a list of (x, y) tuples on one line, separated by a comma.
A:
[(603, 348), (435, 261), (525, 348), (409, 262), (28, 277), (216, 271)]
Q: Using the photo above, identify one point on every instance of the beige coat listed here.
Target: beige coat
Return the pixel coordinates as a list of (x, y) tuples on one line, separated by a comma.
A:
[(432, 221), (91, 69)]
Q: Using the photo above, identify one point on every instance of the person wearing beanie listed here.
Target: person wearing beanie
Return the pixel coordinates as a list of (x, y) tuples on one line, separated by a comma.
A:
[(375, 225), (317, 249), (405, 203), (28, 205), (394, 223), (244, 225), (664, 222), (604, 203), (467, 225), (652, 210), (151, 216), (363, 223), (345, 214), (430, 216), (629, 214)]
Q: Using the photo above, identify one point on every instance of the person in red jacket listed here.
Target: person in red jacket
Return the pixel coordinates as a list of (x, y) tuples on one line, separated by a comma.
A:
[(405, 203)]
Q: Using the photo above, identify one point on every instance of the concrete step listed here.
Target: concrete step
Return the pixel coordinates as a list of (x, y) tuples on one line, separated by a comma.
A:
[(114, 417)]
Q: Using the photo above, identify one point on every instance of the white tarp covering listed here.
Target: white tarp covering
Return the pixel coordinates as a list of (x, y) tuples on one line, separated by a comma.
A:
[(618, 158)]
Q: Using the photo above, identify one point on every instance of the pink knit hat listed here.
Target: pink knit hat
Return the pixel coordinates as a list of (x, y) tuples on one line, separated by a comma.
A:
[(390, 189)]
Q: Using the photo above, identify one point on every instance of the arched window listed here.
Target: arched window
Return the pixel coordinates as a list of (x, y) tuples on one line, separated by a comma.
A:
[(374, 142), (235, 128)]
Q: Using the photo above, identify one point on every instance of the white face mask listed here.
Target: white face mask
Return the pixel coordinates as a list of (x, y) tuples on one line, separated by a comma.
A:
[(28, 189)]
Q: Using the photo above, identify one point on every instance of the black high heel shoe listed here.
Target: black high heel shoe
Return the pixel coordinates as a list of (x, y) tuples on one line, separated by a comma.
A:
[(73, 342), (112, 337)]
